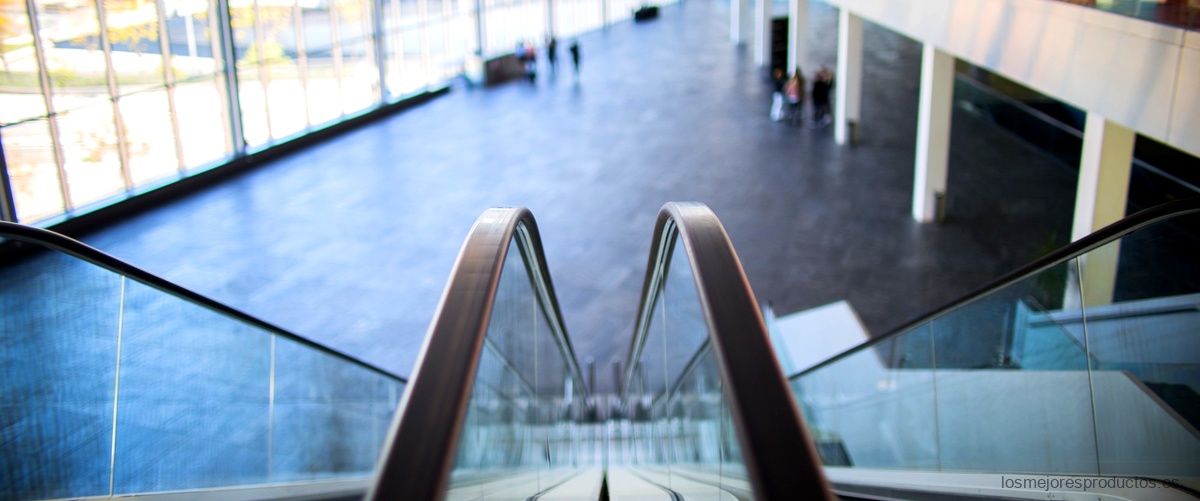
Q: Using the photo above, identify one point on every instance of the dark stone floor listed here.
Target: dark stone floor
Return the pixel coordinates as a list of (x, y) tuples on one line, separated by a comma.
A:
[(350, 242)]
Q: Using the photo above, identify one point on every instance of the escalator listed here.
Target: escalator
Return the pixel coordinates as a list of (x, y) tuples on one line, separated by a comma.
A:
[(1073, 378), (497, 407)]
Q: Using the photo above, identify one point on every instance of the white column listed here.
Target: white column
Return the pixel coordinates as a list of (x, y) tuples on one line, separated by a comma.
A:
[(741, 21), (480, 28), (798, 36), (551, 18), (1104, 168), (933, 132), (848, 83), (762, 32)]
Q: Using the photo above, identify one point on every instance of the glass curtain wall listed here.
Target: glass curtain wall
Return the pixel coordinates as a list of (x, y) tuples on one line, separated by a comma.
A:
[(104, 99)]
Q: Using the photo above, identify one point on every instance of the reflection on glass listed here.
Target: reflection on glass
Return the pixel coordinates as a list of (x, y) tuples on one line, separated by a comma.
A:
[(1087, 367), (681, 435), (518, 438)]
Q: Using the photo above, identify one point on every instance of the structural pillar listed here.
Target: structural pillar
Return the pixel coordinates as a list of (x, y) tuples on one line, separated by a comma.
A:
[(741, 21), (8, 206), (933, 134), (1104, 169), (480, 28), (848, 84), (762, 32), (798, 36)]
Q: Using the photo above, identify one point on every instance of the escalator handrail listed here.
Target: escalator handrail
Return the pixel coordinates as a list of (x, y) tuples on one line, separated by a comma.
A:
[(56, 241), (421, 446), (1095, 240), (781, 461)]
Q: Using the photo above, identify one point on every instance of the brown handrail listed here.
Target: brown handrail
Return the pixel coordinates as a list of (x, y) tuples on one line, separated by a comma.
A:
[(46, 239), (420, 451), (781, 461)]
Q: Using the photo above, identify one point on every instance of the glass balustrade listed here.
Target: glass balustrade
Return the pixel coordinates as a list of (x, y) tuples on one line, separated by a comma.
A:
[(1087, 367), (113, 386)]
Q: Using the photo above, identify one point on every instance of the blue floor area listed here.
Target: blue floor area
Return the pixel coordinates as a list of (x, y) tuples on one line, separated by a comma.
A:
[(350, 242)]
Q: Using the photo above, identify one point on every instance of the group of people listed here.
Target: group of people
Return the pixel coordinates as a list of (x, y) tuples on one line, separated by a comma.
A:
[(788, 101), (527, 54)]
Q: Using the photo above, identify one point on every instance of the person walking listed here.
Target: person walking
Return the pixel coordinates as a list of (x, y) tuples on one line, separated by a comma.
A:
[(575, 55)]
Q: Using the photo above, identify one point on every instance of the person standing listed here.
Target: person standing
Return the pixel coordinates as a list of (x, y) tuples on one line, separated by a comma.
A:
[(778, 79), (530, 58), (575, 55), (552, 53), (822, 84), (793, 92)]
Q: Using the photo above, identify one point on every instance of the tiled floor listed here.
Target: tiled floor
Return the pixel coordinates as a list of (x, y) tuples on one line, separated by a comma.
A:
[(350, 242)]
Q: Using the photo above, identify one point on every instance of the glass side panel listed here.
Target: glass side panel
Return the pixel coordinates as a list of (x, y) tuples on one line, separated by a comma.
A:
[(1089, 367), (516, 441), (328, 418), (114, 387), (194, 396), (680, 433), (58, 368), (877, 409), (1007, 389), (1141, 304)]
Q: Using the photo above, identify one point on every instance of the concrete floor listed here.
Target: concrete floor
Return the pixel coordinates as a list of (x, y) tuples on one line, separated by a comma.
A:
[(350, 242)]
